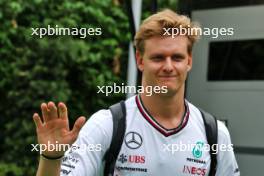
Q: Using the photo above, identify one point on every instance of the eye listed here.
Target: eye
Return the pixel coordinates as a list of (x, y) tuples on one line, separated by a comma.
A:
[(177, 57), (157, 58)]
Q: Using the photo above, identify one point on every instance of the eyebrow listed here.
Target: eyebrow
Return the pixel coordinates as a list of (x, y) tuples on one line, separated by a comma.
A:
[(156, 55), (178, 55), (162, 55)]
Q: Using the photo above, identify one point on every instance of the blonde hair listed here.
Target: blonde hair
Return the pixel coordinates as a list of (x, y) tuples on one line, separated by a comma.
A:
[(155, 24)]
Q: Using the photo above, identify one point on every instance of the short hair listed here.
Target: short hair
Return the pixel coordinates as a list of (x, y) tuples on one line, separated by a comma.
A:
[(154, 26)]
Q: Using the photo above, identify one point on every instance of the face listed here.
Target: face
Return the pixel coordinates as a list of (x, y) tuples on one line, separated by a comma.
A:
[(165, 62)]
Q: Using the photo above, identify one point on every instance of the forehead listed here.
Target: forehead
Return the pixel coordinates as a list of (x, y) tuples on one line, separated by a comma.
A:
[(166, 44)]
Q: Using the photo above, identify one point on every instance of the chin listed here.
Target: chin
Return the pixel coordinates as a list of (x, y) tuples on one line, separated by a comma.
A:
[(170, 93), (170, 86), (172, 89)]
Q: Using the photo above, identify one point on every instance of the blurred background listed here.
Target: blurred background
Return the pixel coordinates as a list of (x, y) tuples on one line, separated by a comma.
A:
[(227, 78)]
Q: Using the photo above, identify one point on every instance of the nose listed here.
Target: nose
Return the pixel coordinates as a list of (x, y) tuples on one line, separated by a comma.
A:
[(168, 66)]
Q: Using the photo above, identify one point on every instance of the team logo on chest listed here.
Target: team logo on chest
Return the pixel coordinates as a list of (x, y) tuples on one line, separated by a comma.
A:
[(133, 140), (197, 150), (197, 153)]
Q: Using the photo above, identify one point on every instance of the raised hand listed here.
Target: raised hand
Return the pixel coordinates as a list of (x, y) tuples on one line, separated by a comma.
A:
[(53, 128)]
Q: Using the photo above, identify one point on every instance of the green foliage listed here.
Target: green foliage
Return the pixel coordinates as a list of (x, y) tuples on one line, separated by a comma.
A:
[(10, 169), (54, 68)]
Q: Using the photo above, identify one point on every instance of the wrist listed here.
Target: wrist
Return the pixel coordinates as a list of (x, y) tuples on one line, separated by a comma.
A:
[(51, 157)]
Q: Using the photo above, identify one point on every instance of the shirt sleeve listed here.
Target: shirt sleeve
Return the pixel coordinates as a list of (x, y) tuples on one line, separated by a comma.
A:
[(226, 161), (85, 156)]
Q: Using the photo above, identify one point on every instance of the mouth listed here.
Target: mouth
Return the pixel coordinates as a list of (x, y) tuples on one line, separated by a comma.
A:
[(167, 78), (171, 76)]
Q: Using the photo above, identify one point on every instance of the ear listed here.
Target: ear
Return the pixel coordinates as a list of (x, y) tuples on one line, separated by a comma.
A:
[(139, 59), (189, 66)]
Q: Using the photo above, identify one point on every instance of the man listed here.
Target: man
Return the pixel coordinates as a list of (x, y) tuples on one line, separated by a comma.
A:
[(155, 124)]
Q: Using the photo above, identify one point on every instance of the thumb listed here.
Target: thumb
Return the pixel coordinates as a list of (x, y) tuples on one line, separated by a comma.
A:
[(78, 125)]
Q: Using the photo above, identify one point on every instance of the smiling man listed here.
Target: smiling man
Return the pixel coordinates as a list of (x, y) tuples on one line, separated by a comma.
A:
[(164, 133), (165, 61)]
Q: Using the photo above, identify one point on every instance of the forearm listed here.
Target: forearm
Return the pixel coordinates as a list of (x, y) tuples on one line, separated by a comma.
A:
[(49, 167)]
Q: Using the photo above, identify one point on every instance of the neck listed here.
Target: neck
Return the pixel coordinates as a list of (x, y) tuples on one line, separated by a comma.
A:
[(166, 107)]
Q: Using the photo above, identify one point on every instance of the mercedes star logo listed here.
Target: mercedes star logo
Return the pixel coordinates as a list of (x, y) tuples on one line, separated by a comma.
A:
[(133, 140)]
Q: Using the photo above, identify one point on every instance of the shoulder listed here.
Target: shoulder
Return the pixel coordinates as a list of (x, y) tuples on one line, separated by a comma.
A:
[(100, 124), (101, 118), (223, 133), (100, 121), (97, 130), (86, 154)]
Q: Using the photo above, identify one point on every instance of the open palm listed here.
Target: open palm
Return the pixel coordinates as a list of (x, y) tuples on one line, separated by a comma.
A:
[(53, 128)]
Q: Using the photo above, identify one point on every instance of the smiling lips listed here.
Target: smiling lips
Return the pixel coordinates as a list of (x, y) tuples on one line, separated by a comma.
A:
[(167, 77), (170, 76)]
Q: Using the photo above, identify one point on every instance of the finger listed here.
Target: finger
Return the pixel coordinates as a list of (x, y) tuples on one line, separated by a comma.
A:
[(78, 125), (53, 113), (44, 111), (37, 120), (63, 112)]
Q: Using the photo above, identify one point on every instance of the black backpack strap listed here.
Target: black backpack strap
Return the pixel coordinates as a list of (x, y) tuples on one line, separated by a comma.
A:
[(211, 130), (118, 111)]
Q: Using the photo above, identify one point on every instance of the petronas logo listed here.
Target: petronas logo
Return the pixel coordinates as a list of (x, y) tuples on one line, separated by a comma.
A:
[(197, 150)]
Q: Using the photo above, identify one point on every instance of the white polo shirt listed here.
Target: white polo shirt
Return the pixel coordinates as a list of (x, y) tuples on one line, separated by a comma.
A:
[(149, 148)]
